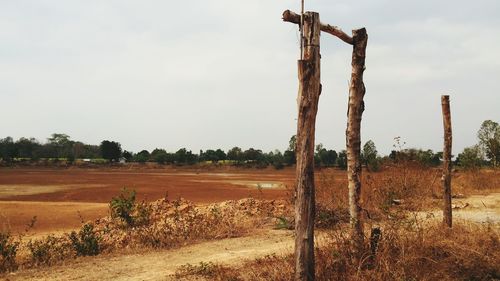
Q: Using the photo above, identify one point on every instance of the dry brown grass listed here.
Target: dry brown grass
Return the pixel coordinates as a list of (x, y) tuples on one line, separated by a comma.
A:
[(407, 251), (410, 249), (170, 223)]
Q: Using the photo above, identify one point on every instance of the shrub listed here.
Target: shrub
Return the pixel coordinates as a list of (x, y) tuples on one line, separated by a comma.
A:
[(49, 250), (86, 241), (207, 270), (143, 214), (123, 206), (8, 252)]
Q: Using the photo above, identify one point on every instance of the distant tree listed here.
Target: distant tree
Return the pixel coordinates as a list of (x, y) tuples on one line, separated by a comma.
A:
[(252, 154), (59, 139), (292, 143), (59, 146), (8, 149), (91, 151), (489, 141), (318, 151), (127, 155), (235, 154), (342, 160), (328, 157), (324, 157), (111, 150), (184, 156), (369, 156), (471, 158), (142, 156), (221, 155), (26, 148), (160, 156), (289, 157), (420, 156), (276, 159), (210, 155)]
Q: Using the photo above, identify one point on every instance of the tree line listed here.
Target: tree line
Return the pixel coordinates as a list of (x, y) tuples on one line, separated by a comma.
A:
[(60, 147)]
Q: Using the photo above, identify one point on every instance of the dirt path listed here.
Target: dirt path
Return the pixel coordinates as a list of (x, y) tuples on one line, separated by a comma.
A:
[(158, 265), (475, 208)]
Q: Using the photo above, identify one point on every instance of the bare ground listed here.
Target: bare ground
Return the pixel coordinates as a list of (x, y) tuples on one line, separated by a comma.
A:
[(475, 208)]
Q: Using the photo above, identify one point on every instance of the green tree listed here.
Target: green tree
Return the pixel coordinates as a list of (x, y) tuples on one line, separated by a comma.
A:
[(289, 157), (127, 155), (111, 150), (184, 156), (324, 157), (60, 145), (160, 156), (471, 158), (26, 148), (252, 154), (369, 156), (342, 160), (8, 149), (142, 156), (292, 143), (489, 140), (235, 154)]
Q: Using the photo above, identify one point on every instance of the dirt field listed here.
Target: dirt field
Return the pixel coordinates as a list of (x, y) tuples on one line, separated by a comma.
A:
[(58, 196)]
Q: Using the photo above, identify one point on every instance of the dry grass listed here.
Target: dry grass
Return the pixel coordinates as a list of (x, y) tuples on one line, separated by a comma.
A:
[(170, 223), (410, 249), (407, 251)]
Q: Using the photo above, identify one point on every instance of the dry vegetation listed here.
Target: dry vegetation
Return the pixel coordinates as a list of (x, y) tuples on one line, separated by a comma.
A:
[(411, 247), (407, 251), (161, 224)]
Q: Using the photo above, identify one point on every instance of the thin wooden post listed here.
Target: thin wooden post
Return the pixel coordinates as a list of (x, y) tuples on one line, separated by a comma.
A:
[(308, 98), (353, 134), (446, 179)]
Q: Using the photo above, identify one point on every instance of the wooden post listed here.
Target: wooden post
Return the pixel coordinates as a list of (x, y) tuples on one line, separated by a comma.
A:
[(447, 216), (308, 98), (353, 134), (304, 207)]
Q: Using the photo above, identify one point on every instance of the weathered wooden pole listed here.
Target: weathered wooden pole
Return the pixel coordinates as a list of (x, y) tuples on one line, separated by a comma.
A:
[(353, 134), (446, 179), (308, 98), (355, 110)]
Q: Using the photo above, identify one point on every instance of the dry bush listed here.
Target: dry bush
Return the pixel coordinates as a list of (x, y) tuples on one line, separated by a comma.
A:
[(172, 223), (410, 187), (206, 271), (406, 251), (403, 187), (160, 224), (9, 247), (49, 250), (476, 181)]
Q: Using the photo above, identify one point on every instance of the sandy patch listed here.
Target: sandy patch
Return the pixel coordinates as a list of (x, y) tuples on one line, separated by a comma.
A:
[(8, 190)]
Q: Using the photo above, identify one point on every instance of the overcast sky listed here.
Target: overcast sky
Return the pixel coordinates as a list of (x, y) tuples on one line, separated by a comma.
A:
[(222, 73)]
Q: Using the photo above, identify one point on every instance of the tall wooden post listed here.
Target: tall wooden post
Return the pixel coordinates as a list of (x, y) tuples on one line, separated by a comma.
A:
[(353, 133), (309, 91), (446, 179)]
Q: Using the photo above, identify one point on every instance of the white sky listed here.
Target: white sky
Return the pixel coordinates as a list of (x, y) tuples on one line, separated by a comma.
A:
[(222, 73)]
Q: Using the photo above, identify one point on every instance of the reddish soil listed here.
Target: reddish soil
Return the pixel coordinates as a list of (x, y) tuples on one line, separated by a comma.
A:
[(99, 186), (76, 187)]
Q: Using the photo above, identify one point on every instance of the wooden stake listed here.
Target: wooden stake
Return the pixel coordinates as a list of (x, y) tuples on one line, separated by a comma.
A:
[(309, 91), (353, 134), (447, 215)]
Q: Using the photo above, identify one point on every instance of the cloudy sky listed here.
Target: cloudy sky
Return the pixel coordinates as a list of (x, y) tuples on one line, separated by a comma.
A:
[(222, 73)]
